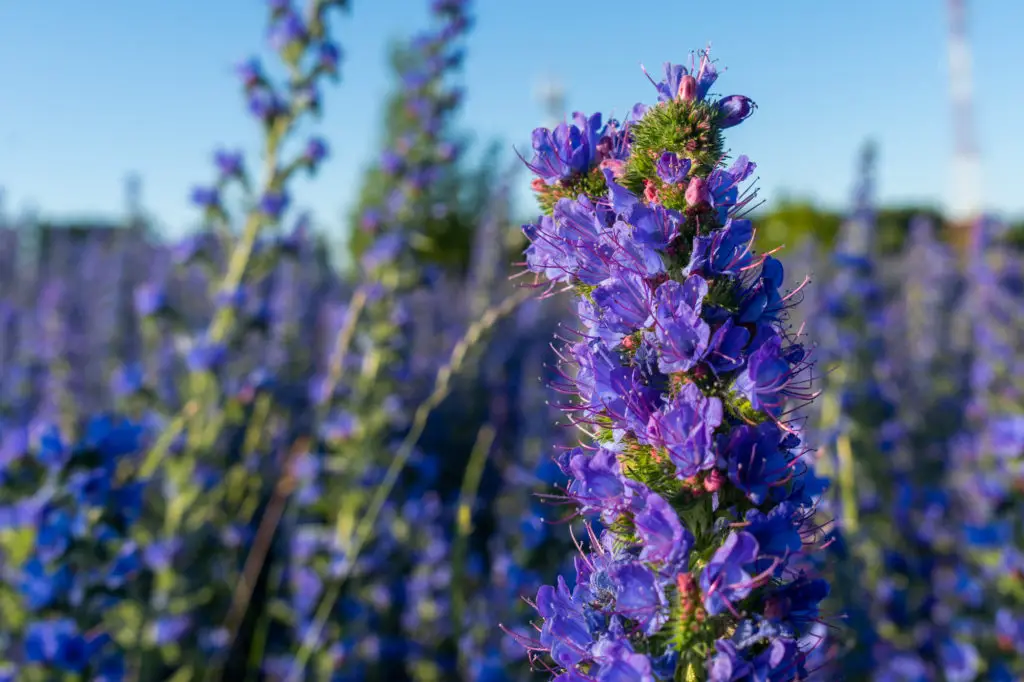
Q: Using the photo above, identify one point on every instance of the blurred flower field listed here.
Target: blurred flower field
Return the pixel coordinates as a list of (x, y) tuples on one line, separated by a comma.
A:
[(626, 441)]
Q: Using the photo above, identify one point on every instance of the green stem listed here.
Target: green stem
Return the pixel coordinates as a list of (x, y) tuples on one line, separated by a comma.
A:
[(464, 526)]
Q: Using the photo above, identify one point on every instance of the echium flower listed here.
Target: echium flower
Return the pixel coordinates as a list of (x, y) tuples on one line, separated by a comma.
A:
[(681, 379)]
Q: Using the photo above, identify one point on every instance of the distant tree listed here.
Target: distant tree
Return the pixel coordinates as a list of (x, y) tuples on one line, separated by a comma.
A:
[(793, 221)]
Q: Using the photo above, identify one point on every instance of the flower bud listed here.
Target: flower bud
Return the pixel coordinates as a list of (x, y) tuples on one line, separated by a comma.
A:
[(688, 89), (697, 192)]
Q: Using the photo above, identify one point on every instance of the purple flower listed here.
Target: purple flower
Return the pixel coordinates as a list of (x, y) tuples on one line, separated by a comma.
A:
[(58, 643), (565, 632), (777, 532), (168, 629), (754, 460), (127, 564), (733, 110), (596, 483), (229, 164), (796, 603), (685, 428), (287, 30), (206, 197), (273, 203), (54, 534), (681, 333), (725, 350), (316, 151), (618, 662), (206, 357), (663, 537), (780, 662), (605, 385), (42, 586), (265, 105), (328, 57), (567, 150), (625, 303), (391, 163), (639, 596), (251, 72), (960, 661), (1010, 630), (725, 580), (728, 665), (723, 186), (669, 87), (766, 377), (762, 300), (726, 251), (672, 169), (655, 226)]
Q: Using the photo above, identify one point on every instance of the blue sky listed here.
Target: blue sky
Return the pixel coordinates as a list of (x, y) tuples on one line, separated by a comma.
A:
[(92, 91)]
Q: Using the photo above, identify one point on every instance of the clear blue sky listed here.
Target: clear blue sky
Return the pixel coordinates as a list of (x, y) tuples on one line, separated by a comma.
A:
[(93, 90)]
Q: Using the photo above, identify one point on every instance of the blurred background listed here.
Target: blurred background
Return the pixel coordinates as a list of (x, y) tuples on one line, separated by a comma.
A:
[(333, 452)]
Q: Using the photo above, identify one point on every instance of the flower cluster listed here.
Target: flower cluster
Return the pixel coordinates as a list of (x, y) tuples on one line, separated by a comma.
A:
[(923, 548), (683, 371)]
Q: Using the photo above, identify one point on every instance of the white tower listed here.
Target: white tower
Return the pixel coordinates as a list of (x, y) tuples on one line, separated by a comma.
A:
[(965, 202), (551, 95)]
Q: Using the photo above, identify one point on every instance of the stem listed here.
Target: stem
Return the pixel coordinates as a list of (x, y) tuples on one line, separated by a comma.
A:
[(419, 423), (257, 556), (464, 525), (847, 484)]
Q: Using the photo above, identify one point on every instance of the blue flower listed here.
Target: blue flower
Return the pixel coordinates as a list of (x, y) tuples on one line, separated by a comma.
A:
[(725, 251), (733, 110), (639, 596), (625, 303), (565, 630), (671, 168), (685, 429), (727, 665), (58, 643), (273, 203), (681, 333), (754, 459), (725, 580), (664, 539), (766, 377)]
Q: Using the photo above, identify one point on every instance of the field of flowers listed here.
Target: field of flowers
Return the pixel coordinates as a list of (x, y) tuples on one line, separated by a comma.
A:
[(619, 444)]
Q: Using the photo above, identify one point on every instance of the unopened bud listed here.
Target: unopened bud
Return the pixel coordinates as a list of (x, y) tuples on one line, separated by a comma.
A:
[(614, 165), (713, 482), (697, 192), (650, 191), (688, 88)]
